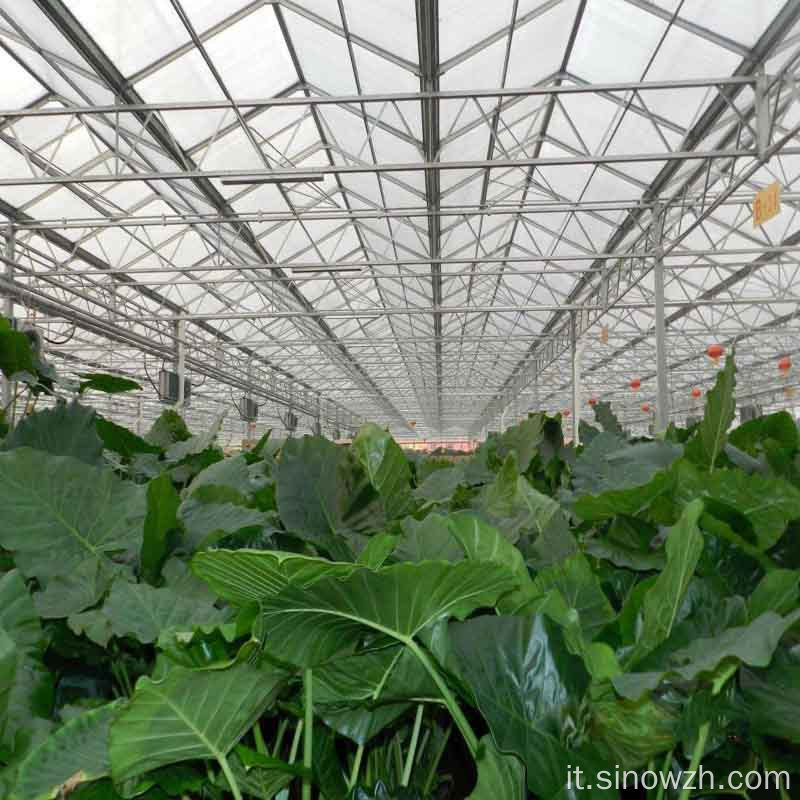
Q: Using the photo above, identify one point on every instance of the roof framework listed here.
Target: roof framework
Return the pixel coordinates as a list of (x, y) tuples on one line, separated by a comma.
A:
[(403, 212)]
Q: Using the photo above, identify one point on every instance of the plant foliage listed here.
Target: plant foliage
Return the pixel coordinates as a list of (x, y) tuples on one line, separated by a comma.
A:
[(361, 624)]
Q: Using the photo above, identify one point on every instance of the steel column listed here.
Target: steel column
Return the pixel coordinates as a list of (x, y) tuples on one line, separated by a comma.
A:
[(576, 378), (662, 394), (8, 308)]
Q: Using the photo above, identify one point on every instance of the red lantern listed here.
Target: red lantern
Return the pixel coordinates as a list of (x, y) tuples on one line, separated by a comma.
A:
[(592, 402), (785, 364), (635, 384), (714, 352), (646, 408), (696, 393), (565, 412)]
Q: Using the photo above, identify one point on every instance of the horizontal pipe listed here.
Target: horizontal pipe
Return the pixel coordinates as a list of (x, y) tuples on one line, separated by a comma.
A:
[(303, 175), (384, 97)]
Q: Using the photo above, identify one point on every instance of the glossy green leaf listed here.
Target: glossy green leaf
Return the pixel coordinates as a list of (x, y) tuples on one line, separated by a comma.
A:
[(139, 610), (190, 714), (428, 539), (122, 441), (778, 591), (499, 775), (161, 521), (606, 417), (64, 430), (108, 384), (378, 549), (309, 625), (752, 644), (386, 467), (168, 429), (526, 685), (59, 512), (663, 600), (75, 753), (719, 412), (247, 576), (772, 697)]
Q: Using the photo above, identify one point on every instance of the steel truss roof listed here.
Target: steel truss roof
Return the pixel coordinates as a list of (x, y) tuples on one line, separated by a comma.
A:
[(403, 211)]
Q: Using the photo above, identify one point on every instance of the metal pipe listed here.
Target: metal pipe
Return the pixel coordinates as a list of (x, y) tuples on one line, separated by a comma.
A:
[(303, 175), (385, 97), (662, 393), (8, 313)]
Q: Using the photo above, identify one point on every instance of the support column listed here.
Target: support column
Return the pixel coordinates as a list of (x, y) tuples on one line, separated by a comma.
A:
[(8, 306), (180, 360), (662, 387), (762, 113), (576, 378)]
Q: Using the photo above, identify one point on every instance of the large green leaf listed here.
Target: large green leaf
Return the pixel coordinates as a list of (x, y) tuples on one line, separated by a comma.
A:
[(606, 417), (441, 485), (752, 644), (168, 429), (59, 512), (139, 610), (28, 685), (499, 775), (248, 576), (207, 522), (122, 441), (386, 467), (108, 384), (712, 433), (523, 440), (611, 477), (161, 521), (74, 754), (526, 685), (481, 542), (194, 445), (663, 600), (581, 590), (772, 697), (16, 354), (190, 714), (64, 430), (768, 504), (428, 539), (308, 626), (777, 591)]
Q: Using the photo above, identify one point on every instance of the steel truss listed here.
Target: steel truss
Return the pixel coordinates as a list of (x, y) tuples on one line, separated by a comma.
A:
[(424, 249)]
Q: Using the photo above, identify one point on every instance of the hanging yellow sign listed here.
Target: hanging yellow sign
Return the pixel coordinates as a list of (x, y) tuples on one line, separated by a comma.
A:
[(767, 204)]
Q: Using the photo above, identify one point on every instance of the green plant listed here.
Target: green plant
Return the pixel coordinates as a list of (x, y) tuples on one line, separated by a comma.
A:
[(311, 621)]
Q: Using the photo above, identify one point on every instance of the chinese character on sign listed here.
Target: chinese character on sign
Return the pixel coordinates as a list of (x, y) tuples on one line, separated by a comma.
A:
[(767, 204)]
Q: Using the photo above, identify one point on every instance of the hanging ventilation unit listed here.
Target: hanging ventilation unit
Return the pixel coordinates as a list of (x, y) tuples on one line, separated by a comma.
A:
[(168, 387), (747, 413), (248, 409), (290, 421), (316, 428)]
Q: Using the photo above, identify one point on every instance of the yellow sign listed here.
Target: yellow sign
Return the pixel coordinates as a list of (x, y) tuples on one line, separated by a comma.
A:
[(767, 204)]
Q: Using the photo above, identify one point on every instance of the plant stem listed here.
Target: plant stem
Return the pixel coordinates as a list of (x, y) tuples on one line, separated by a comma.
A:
[(296, 742), (699, 748), (435, 762), (226, 769), (356, 767), (452, 704), (308, 743), (276, 751), (261, 747), (412, 750), (664, 768)]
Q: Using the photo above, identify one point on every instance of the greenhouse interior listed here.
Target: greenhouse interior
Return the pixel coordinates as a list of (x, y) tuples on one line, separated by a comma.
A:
[(400, 399)]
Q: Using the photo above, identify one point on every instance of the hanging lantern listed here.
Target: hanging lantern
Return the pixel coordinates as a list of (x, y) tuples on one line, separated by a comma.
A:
[(714, 352), (592, 402), (635, 384), (784, 365), (604, 334), (696, 393), (565, 413), (646, 408)]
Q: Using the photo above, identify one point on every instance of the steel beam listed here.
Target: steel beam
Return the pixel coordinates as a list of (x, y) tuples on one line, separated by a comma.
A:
[(662, 394), (381, 97)]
